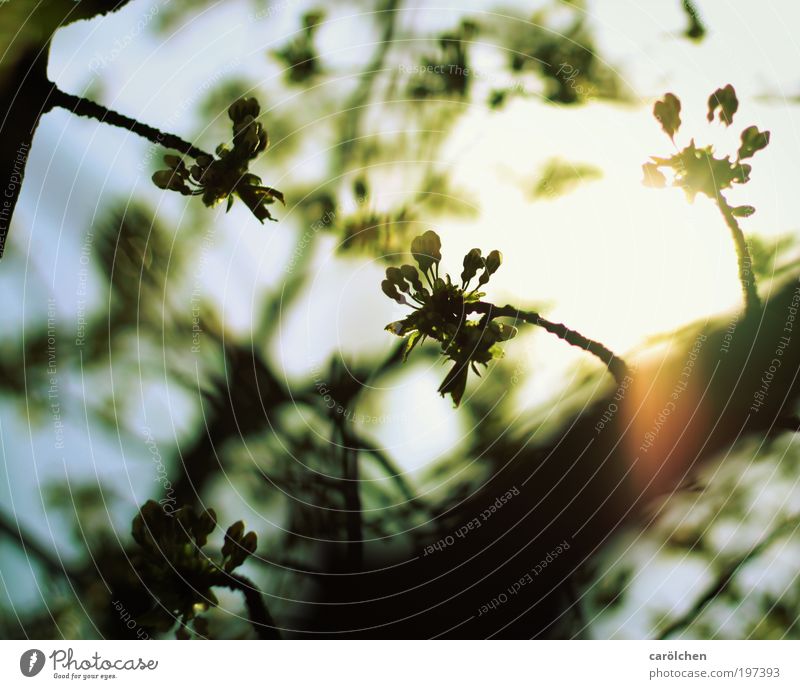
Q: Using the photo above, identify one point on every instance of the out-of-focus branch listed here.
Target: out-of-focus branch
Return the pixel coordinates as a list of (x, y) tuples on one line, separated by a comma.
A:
[(354, 108), (260, 618), (30, 546), (726, 577)]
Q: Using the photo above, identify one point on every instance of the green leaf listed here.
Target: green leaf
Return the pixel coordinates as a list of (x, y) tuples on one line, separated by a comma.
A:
[(752, 142), (203, 526), (411, 342), (559, 177), (725, 100), (399, 328), (741, 173), (696, 31), (667, 112), (455, 383), (743, 211)]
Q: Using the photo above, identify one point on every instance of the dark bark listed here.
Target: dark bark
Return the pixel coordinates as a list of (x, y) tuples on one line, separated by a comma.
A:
[(25, 89)]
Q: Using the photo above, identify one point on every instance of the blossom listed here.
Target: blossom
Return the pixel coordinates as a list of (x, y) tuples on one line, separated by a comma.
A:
[(440, 308), (226, 176)]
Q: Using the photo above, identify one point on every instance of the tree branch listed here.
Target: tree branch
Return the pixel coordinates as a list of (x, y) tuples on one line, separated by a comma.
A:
[(30, 546), (354, 108), (616, 366), (260, 618), (25, 94), (746, 276), (352, 497), (87, 108)]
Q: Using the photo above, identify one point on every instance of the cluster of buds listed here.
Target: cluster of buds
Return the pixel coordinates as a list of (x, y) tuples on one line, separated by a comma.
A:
[(172, 565), (226, 176), (440, 310), (698, 170)]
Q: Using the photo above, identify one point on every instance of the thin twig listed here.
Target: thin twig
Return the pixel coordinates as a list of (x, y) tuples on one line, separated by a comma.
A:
[(87, 108), (746, 276), (616, 366), (260, 618)]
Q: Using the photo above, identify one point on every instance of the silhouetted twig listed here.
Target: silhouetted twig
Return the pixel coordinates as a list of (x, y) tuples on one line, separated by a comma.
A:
[(87, 108), (616, 366), (746, 275), (260, 618)]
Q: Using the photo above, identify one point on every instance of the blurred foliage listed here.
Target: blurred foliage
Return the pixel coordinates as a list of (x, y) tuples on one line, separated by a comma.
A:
[(448, 74), (695, 30), (558, 46), (299, 56), (173, 567), (560, 177)]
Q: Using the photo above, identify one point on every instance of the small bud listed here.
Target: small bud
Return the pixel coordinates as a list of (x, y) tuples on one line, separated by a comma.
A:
[(473, 261), (395, 276), (390, 290), (412, 276), (426, 250)]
